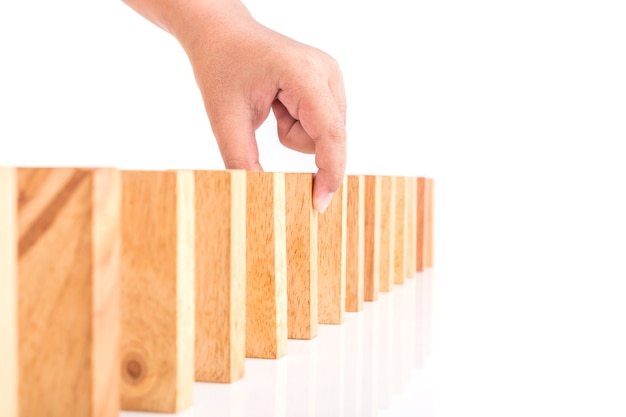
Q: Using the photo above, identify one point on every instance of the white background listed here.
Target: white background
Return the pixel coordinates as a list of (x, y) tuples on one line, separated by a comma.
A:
[(516, 108)]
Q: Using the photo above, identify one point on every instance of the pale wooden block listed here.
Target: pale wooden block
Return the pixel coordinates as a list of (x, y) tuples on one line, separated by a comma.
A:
[(399, 235), (157, 290), (355, 243), (429, 222), (8, 293), (301, 224), (220, 220), (68, 291), (372, 237), (387, 232), (411, 228), (331, 276), (266, 277), (106, 287), (414, 230), (419, 240)]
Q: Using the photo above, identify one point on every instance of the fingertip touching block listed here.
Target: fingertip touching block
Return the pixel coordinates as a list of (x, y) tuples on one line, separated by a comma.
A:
[(331, 239), (301, 225)]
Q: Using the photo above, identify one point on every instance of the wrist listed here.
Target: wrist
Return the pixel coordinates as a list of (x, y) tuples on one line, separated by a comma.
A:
[(197, 22)]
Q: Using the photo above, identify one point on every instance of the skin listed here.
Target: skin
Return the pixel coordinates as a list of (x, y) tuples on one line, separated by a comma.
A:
[(244, 70)]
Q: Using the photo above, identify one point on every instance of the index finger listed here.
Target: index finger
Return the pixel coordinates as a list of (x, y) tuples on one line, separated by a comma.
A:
[(323, 119)]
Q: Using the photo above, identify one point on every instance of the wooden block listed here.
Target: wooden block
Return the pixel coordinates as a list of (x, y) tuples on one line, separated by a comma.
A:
[(157, 290), (331, 276), (399, 235), (355, 243), (387, 232), (411, 228), (420, 238), (301, 224), (8, 293), (68, 291), (372, 237), (429, 222), (266, 277), (220, 220)]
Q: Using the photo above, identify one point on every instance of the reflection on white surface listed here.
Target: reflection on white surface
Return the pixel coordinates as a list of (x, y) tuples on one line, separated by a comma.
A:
[(374, 365)]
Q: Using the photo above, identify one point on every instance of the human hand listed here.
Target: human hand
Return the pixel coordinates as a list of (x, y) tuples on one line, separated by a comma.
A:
[(244, 69)]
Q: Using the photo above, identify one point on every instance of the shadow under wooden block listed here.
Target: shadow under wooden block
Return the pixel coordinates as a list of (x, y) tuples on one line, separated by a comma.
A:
[(372, 207), (67, 290), (157, 358), (429, 207), (355, 243), (331, 239), (301, 240), (266, 276), (400, 232), (419, 227), (387, 232), (220, 221)]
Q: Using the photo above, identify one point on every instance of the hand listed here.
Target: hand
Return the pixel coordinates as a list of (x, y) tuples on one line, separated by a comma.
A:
[(244, 69)]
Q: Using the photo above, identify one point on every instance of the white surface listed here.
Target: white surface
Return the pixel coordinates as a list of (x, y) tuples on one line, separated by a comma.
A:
[(377, 363), (518, 109)]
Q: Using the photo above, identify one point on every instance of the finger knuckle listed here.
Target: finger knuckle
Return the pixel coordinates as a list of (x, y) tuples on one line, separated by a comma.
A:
[(337, 132)]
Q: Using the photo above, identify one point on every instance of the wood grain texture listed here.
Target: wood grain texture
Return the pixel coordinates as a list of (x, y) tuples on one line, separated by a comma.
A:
[(429, 207), (355, 243), (419, 241), (8, 293), (220, 219), (106, 229), (68, 291), (301, 224), (157, 348), (400, 232), (266, 277), (410, 227), (387, 232), (372, 235), (331, 277)]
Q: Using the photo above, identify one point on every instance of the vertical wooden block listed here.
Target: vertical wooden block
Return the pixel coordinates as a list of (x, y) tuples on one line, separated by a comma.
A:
[(372, 237), (157, 290), (266, 282), (410, 227), (429, 222), (355, 243), (220, 244), (400, 231), (8, 293), (68, 291), (331, 277), (387, 232), (301, 224), (420, 227)]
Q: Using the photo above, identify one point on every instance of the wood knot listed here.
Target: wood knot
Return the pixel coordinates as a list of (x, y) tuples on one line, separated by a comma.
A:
[(134, 369)]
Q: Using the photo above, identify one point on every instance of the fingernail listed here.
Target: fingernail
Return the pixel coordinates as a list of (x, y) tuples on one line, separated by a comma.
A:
[(324, 202)]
